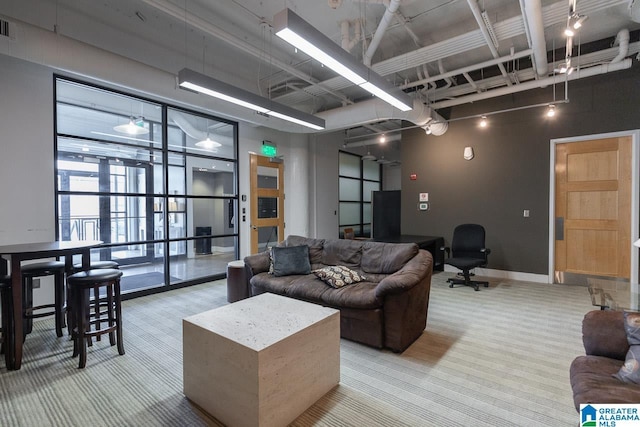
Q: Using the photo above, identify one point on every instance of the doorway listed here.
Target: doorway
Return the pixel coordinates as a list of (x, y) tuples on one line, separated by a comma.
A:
[(267, 201), (594, 209), (105, 211)]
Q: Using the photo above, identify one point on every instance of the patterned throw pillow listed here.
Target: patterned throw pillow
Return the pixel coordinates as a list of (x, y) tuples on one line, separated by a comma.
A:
[(630, 371), (338, 276)]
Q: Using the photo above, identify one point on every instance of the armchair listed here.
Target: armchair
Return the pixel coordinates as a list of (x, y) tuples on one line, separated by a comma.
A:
[(467, 252)]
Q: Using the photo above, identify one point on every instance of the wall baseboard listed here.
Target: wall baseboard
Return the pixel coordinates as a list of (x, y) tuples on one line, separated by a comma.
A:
[(504, 274)]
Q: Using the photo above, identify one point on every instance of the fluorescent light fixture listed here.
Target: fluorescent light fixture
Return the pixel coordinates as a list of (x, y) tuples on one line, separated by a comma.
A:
[(189, 79), (134, 127), (302, 35)]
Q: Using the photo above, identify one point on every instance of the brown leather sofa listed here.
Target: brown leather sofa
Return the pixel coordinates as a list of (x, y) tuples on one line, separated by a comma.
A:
[(388, 309), (605, 343)]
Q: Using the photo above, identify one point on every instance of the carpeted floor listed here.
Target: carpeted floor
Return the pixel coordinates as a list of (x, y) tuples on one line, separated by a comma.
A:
[(497, 357)]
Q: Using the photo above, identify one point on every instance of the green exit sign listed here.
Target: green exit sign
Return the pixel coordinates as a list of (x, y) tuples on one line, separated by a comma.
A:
[(269, 149)]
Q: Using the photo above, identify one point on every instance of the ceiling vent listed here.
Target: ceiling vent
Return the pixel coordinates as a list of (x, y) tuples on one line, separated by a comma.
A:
[(4, 28)]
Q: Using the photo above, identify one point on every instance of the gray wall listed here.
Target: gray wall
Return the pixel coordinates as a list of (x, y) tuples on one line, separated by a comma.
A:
[(510, 171)]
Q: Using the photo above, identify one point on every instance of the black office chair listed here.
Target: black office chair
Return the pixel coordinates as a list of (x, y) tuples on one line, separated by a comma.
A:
[(467, 252)]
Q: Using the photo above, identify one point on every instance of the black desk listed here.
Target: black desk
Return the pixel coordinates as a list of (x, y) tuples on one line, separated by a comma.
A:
[(28, 251), (433, 244)]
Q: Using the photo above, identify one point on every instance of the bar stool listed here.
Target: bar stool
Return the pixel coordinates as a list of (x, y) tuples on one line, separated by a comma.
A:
[(86, 324), (42, 269), (95, 265)]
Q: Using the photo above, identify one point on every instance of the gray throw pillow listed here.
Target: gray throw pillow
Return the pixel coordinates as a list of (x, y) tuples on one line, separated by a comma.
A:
[(290, 260)]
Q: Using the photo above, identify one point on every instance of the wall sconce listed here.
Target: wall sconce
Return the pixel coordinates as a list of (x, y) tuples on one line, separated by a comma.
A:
[(483, 122), (468, 153)]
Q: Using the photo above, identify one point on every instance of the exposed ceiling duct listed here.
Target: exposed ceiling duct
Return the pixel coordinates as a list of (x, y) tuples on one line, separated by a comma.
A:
[(446, 36)]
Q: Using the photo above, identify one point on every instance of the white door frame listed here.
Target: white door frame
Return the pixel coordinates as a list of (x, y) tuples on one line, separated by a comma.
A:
[(635, 138)]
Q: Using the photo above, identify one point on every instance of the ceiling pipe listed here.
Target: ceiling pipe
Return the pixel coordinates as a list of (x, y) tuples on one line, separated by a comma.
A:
[(372, 141), (477, 13), (622, 39), (534, 23), (382, 27), (195, 21), (375, 110), (473, 67), (535, 84), (347, 42)]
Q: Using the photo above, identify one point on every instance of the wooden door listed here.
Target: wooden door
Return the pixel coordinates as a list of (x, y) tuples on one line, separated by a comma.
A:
[(267, 202), (593, 209)]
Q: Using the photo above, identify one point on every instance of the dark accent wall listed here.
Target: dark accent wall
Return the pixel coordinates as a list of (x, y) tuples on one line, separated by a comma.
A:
[(510, 171)]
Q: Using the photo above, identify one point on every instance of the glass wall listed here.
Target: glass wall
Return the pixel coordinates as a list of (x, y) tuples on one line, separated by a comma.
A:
[(357, 179), (156, 184)]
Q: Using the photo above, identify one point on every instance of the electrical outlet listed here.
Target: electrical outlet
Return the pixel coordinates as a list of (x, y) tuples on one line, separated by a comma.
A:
[(525, 213)]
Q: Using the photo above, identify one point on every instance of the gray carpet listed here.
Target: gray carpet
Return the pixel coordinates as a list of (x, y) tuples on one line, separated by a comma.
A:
[(497, 357)]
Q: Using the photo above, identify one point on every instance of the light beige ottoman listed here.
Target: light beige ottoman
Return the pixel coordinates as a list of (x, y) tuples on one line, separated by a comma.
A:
[(261, 361)]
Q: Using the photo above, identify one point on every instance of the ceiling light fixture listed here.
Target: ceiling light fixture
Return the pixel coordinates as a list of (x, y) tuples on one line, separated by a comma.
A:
[(208, 144), (134, 127), (483, 122), (189, 79), (551, 111), (302, 35)]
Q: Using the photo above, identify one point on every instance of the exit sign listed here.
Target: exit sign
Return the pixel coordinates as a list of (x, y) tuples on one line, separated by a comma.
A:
[(269, 149)]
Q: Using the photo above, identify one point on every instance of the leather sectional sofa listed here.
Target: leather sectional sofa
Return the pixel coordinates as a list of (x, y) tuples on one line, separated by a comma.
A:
[(606, 346), (388, 309)]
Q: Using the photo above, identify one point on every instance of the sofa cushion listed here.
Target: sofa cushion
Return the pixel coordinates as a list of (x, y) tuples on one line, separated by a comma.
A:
[(592, 381), (386, 258), (342, 252), (315, 246), (290, 260), (265, 282), (359, 295), (338, 276)]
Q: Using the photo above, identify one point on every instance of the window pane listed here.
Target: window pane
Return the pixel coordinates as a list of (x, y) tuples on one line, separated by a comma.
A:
[(216, 215), (349, 165), (349, 213), (98, 114), (267, 177), (211, 177), (349, 189), (371, 170), (114, 185), (200, 135), (368, 188), (366, 212)]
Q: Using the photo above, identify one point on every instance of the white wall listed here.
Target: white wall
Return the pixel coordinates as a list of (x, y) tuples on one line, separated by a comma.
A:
[(294, 148)]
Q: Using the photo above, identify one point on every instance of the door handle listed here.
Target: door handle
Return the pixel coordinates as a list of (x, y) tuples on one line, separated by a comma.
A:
[(559, 228)]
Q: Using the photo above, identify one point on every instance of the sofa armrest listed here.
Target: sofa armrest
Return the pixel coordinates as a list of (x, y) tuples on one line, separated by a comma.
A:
[(257, 263), (411, 274), (603, 334)]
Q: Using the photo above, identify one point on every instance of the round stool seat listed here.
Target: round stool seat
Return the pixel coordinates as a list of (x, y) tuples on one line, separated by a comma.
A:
[(44, 268), (98, 265), (92, 277)]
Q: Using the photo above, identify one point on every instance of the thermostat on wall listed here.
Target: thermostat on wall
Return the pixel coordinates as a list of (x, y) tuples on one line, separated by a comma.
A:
[(423, 206)]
